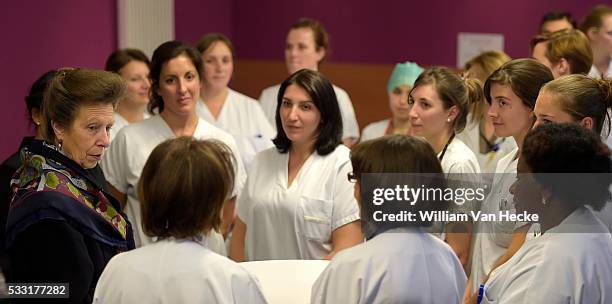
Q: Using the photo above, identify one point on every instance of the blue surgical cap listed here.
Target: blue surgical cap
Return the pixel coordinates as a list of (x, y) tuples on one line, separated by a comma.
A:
[(404, 74)]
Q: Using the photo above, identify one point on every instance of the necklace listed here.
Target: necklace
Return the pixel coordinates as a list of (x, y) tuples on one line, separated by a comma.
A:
[(446, 146)]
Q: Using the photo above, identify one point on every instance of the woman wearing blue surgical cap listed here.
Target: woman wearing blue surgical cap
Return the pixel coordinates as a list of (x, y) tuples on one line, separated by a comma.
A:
[(399, 85)]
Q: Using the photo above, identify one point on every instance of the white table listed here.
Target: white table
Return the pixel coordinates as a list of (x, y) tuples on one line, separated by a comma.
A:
[(286, 281)]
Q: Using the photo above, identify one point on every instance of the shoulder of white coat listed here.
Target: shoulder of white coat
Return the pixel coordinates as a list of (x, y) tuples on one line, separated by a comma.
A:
[(463, 157), (239, 96), (208, 131), (340, 92), (273, 90), (373, 129), (341, 155)]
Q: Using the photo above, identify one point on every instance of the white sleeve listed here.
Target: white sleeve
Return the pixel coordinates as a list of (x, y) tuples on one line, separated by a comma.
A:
[(114, 162), (246, 289), (264, 126), (268, 104), (239, 171), (350, 129), (345, 208), (338, 283)]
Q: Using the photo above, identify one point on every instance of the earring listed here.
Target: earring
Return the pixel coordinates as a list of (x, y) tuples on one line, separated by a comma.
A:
[(544, 202), (448, 119), (59, 143)]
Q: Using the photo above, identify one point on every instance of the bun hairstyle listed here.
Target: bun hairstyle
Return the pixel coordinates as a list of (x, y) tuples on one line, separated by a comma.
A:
[(580, 161), (581, 96), (453, 91)]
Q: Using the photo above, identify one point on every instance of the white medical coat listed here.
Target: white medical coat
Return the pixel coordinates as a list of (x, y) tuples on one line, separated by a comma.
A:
[(491, 239), (175, 271), (296, 222), (570, 263), (243, 118), (350, 129), (375, 130), (402, 265), (127, 154), (121, 122)]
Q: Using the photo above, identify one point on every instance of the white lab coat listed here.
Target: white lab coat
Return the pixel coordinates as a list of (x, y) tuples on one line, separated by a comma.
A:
[(375, 130), (470, 136), (243, 118), (570, 263), (296, 222), (126, 157), (350, 129), (459, 159), (121, 122), (491, 239), (402, 265), (176, 271)]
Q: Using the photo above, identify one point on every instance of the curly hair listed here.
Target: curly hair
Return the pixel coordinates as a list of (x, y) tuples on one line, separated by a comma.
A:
[(580, 161)]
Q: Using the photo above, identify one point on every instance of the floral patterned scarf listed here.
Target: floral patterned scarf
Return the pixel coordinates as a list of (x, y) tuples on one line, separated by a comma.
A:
[(49, 185)]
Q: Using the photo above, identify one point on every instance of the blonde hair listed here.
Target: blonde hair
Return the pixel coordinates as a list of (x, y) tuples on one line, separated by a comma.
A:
[(581, 96), (488, 61), (571, 45)]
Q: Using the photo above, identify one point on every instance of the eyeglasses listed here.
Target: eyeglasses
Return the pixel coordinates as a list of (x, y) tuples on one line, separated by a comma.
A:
[(352, 177)]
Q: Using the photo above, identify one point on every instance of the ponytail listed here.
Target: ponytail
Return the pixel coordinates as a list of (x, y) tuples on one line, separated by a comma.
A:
[(475, 100)]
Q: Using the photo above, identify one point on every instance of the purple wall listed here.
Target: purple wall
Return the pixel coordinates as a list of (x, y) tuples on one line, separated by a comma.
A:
[(194, 18), (396, 30), (44, 35)]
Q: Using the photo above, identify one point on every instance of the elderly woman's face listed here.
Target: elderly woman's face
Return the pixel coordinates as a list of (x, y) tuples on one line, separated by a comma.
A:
[(86, 138)]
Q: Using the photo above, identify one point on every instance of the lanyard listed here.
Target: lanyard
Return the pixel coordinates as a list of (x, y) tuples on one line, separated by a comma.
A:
[(446, 146)]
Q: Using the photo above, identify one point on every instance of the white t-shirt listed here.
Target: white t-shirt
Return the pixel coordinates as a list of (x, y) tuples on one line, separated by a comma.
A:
[(126, 157), (487, 161), (492, 238), (350, 129), (375, 130), (243, 118), (402, 265), (296, 222), (121, 122), (571, 263), (176, 271)]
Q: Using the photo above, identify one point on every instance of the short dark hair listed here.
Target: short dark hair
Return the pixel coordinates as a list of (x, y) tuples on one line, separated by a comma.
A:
[(595, 17), (396, 154), (164, 53), (119, 58), (558, 15), (183, 187), (70, 89), (323, 96), (34, 99), (568, 149), (209, 39), (524, 76), (319, 34)]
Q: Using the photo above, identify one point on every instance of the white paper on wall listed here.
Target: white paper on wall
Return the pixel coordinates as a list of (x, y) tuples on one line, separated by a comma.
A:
[(470, 45)]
